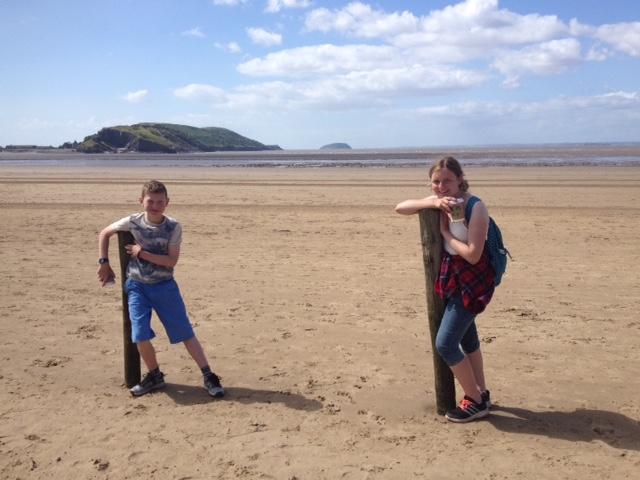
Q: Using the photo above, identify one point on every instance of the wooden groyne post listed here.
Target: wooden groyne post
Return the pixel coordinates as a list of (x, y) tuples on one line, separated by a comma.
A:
[(432, 245), (131, 356)]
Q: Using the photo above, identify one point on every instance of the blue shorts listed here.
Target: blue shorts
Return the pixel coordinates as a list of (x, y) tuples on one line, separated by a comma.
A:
[(165, 299), (458, 329)]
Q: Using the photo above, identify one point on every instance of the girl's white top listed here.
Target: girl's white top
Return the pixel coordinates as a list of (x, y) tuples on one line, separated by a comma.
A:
[(458, 230)]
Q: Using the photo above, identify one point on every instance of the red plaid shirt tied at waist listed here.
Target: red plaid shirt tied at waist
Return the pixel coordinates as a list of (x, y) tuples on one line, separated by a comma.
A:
[(473, 282)]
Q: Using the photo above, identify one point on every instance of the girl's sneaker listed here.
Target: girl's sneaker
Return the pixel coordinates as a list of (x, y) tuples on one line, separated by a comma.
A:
[(486, 397), (468, 411)]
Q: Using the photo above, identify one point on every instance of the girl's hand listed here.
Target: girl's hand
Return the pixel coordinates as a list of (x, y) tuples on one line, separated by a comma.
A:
[(443, 203)]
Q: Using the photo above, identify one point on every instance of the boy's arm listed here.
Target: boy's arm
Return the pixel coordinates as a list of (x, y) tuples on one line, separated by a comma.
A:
[(169, 260), (105, 272)]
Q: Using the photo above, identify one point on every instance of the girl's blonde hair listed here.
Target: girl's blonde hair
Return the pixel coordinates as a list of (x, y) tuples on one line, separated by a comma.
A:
[(451, 164)]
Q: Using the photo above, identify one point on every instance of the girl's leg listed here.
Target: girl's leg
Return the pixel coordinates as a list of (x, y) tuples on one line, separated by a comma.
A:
[(477, 365), (467, 380), (471, 343), (456, 323)]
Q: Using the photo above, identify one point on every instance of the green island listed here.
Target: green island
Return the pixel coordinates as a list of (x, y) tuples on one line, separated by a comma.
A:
[(168, 138)]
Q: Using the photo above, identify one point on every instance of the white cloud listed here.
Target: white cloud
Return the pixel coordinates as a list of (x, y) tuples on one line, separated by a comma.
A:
[(359, 20), (262, 37), (471, 30), (623, 96), (194, 32), (550, 58), (232, 47), (135, 97), (470, 24), (557, 119), (614, 103), (355, 89), (598, 53), (321, 60), (624, 37), (274, 6), (206, 94), (392, 58)]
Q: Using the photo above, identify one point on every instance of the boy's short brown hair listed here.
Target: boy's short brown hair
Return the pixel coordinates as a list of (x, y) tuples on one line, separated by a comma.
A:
[(154, 186)]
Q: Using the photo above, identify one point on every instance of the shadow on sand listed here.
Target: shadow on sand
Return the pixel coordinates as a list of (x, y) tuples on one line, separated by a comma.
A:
[(192, 395), (614, 429)]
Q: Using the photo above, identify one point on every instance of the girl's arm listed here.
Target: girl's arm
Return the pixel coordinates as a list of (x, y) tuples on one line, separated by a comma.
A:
[(478, 228), (411, 207)]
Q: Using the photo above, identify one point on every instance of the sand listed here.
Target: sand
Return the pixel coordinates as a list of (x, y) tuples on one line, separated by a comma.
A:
[(308, 294)]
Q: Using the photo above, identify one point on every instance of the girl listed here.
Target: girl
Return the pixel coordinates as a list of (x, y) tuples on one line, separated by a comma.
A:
[(466, 283)]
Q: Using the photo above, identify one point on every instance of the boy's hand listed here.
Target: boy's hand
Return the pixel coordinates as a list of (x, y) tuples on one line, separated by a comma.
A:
[(133, 250), (106, 274)]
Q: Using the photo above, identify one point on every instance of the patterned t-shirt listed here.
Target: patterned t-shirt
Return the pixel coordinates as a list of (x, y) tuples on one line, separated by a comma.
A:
[(153, 238)]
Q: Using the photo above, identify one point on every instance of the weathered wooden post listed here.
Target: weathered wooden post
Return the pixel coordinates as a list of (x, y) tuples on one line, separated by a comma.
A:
[(131, 356), (432, 255)]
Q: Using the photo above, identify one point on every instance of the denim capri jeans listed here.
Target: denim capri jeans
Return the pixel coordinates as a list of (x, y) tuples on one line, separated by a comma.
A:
[(458, 329), (163, 297)]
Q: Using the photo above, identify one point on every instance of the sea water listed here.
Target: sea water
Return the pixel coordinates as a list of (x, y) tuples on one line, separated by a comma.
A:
[(626, 155)]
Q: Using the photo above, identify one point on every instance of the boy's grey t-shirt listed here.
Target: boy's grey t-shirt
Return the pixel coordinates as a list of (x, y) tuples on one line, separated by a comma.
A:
[(153, 238)]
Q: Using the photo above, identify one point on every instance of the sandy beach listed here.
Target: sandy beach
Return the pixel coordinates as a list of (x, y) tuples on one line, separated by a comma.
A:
[(307, 292)]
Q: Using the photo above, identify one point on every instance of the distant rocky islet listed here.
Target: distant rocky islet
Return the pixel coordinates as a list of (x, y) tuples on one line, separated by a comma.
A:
[(336, 146)]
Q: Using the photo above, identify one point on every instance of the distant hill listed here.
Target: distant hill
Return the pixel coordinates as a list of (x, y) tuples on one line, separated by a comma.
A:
[(168, 138), (336, 146)]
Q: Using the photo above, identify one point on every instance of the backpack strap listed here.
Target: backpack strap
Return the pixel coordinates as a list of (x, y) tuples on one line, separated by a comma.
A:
[(467, 212)]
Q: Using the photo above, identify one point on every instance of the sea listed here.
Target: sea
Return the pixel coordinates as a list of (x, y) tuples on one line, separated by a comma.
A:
[(485, 156)]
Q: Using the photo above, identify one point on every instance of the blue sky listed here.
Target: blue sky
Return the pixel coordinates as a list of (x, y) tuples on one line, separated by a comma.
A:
[(305, 73)]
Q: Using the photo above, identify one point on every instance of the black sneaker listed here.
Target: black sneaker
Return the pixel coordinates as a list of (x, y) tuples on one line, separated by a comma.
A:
[(151, 381), (486, 398), (468, 411), (212, 384)]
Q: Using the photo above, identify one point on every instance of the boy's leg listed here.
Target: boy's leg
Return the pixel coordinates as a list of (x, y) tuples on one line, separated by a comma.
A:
[(197, 353), (140, 314), (148, 354), (169, 306), (211, 380), (155, 378)]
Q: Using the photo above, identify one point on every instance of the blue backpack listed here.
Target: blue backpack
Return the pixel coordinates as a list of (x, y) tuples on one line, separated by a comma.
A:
[(495, 245)]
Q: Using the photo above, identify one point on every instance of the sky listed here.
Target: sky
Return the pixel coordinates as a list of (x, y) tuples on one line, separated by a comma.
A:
[(305, 73)]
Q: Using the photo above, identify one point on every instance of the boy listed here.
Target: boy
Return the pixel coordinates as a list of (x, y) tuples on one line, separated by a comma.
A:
[(150, 285)]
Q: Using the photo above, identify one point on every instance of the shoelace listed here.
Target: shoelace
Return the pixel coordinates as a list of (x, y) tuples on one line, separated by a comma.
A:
[(465, 404), (149, 378)]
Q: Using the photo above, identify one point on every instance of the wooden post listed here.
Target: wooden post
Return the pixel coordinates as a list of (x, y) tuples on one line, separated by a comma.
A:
[(131, 356), (432, 255)]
